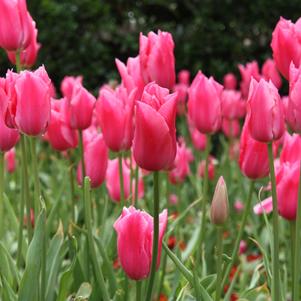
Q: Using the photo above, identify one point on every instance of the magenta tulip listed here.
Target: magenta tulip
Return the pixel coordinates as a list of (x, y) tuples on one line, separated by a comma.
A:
[(184, 77), (10, 160), (232, 104), (68, 85), (230, 81), (134, 241), (231, 127), (291, 150), (269, 72)]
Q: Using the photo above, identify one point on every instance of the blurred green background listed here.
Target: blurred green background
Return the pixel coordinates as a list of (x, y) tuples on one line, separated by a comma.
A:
[(84, 36)]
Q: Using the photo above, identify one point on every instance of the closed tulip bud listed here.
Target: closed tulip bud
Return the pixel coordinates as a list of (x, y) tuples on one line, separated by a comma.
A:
[(266, 121), (113, 181), (115, 115), (247, 72), (10, 160), (199, 140), (230, 81), (154, 144), (131, 75), (96, 158), (291, 150), (28, 55), (231, 128), (8, 137), (286, 45), (219, 211), (15, 25), (157, 61), (182, 91), (68, 84), (134, 241), (81, 108), (232, 104), (293, 108), (184, 77), (204, 104), (59, 133), (211, 168), (269, 72)]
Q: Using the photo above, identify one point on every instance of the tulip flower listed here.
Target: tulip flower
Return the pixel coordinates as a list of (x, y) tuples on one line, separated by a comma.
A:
[(266, 206), (269, 72), (286, 45), (291, 150), (68, 85), (242, 247), (247, 72), (131, 75), (96, 158), (181, 164), (113, 183), (15, 25), (29, 101), (238, 206), (211, 168), (134, 241), (115, 115), (157, 61), (266, 122), (232, 104), (8, 137), (81, 106), (59, 133), (253, 155), (231, 128), (10, 160), (28, 55), (230, 81), (199, 140), (184, 77), (154, 144), (204, 104), (293, 105)]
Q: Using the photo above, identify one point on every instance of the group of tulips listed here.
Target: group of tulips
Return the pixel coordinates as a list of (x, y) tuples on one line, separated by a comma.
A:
[(129, 131)]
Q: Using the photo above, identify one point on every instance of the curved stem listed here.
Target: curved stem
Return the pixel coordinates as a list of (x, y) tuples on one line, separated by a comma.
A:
[(121, 182), (219, 263), (296, 282), (275, 252), (155, 237), (240, 233)]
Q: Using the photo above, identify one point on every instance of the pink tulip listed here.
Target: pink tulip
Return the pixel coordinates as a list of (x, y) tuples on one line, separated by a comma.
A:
[(238, 206), (199, 140), (10, 160), (134, 241), (182, 91), (247, 72), (184, 77), (266, 121), (242, 247), (253, 156), (115, 115), (291, 150), (230, 81), (181, 164), (204, 104), (113, 183), (173, 199), (29, 101), (269, 72), (211, 168), (157, 61), (8, 137), (232, 104), (266, 206), (28, 55), (15, 25), (293, 107), (131, 75), (230, 128), (81, 106), (59, 133), (286, 45), (154, 144), (96, 158), (68, 85)]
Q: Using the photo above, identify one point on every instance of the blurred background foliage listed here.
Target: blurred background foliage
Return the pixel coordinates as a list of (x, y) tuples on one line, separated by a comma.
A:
[(84, 36)]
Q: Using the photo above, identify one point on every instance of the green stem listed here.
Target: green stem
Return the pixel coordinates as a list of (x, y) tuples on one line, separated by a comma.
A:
[(138, 290), (18, 61), (131, 179), (122, 198), (292, 247), (155, 237), (37, 191), (204, 203), (240, 233), (161, 284), (296, 282), (72, 191), (219, 263), (275, 253), (136, 183), (43, 262), (25, 185), (82, 157), (88, 222), (1, 193)]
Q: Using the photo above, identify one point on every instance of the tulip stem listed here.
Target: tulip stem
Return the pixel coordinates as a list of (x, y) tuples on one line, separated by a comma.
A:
[(240, 233), (25, 186), (121, 182), (1, 193), (219, 254), (88, 222), (296, 282), (138, 290), (155, 237), (72, 191), (82, 157), (136, 183), (18, 61), (275, 252), (204, 203), (34, 162)]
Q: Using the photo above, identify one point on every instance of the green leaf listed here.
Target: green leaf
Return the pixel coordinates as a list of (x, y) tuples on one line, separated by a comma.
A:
[(7, 291)]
